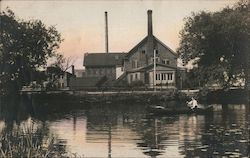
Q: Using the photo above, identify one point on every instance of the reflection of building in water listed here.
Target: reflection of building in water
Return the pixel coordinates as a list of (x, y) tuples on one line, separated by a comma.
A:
[(110, 128), (190, 127), (153, 134)]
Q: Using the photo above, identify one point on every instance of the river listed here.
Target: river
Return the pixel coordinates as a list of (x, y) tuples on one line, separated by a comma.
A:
[(128, 130)]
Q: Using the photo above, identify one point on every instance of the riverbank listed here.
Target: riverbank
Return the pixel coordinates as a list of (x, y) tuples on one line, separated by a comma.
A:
[(111, 96), (145, 96)]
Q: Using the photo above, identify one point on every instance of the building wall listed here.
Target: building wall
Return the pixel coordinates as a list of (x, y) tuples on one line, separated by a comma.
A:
[(109, 72), (162, 76), (119, 71), (136, 76), (166, 54), (143, 56), (79, 73)]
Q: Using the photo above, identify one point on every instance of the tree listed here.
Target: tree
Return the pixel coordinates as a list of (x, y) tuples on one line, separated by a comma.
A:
[(58, 68), (62, 63), (25, 47), (218, 43)]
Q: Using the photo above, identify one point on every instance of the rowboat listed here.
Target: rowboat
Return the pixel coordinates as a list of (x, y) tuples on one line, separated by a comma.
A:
[(160, 110)]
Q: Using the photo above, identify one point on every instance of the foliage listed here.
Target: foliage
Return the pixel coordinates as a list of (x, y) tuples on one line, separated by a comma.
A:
[(25, 47), (218, 44), (137, 83), (63, 63), (58, 67), (29, 142)]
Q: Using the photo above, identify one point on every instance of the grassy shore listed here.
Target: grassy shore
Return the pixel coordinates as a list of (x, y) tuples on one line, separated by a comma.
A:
[(29, 142)]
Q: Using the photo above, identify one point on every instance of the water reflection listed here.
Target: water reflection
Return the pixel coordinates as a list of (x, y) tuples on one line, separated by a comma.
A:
[(126, 130)]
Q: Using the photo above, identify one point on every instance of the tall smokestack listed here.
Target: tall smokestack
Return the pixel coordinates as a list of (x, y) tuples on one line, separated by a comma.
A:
[(150, 26), (106, 33)]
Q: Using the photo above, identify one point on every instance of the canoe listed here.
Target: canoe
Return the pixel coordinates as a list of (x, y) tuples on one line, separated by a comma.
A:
[(160, 110)]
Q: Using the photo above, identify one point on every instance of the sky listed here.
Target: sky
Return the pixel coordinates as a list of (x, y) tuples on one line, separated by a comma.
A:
[(82, 26)]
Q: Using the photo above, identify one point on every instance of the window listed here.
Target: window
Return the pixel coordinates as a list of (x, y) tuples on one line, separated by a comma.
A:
[(157, 59), (156, 52), (143, 52), (166, 61), (170, 76), (136, 76), (157, 76), (131, 77), (163, 76), (134, 64)]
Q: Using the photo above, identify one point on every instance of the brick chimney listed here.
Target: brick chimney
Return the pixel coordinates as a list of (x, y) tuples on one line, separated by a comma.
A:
[(150, 40), (73, 69), (106, 33), (150, 26)]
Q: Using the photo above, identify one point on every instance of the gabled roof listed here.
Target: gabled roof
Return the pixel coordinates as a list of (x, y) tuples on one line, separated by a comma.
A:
[(164, 45), (103, 59), (135, 48), (144, 40), (142, 69)]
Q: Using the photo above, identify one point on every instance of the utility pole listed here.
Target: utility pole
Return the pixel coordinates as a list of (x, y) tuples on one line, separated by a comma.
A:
[(154, 77)]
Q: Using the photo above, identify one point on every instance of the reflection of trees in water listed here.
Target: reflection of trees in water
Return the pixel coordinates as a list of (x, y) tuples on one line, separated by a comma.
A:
[(14, 109), (20, 137), (225, 134), (153, 131), (104, 121)]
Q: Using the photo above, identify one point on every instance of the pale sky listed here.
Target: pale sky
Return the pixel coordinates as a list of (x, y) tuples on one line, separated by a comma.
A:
[(81, 23)]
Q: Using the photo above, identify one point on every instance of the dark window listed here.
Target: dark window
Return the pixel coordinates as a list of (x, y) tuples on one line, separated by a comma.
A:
[(170, 76), (136, 76), (156, 51), (166, 61), (131, 77), (143, 51), (156, 59), (157, 76)]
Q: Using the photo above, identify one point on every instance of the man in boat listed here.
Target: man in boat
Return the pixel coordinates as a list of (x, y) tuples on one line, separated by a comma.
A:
[(192, 104)]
